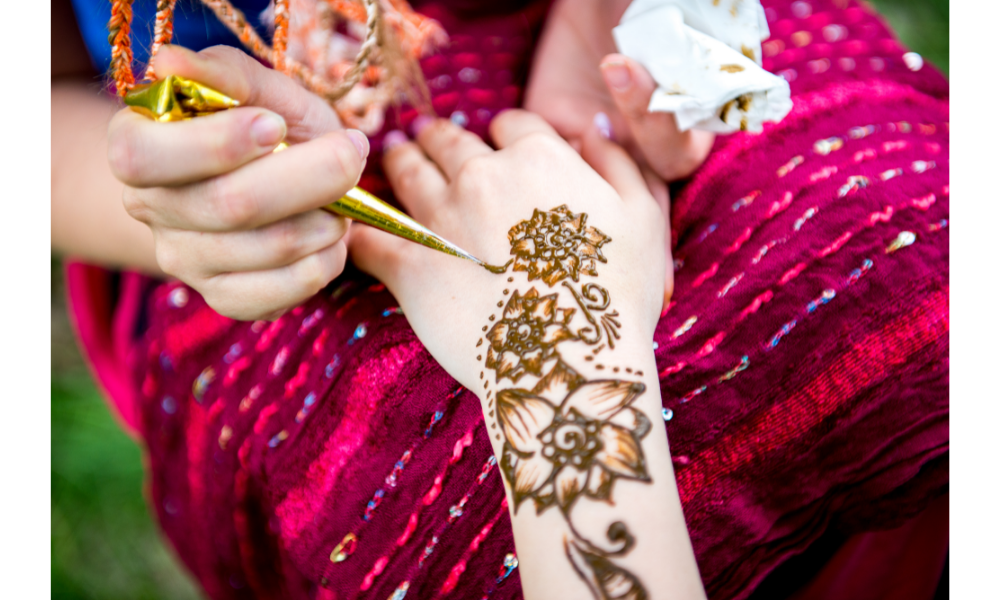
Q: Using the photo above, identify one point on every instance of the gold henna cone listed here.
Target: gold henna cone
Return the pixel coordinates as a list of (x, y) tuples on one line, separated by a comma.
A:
[(177, 99), (361, 206), (174, 98)]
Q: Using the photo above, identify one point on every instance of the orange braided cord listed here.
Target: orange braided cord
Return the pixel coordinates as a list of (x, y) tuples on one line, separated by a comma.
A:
[(163, 32), (237, 23), (352, 11), (280, 33), (120, 38)]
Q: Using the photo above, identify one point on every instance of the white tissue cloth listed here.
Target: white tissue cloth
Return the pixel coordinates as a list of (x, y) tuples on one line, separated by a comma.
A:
[(705, 58)]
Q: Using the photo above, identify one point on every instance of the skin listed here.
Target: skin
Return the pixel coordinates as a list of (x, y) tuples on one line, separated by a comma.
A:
[(248, 258), (454, 183), (233, 220), (574, 77), (577, 74), (204, 209)]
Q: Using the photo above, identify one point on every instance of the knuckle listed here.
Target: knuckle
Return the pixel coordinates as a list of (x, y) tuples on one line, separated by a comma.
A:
[(503, 119), (222, 304), (317, 270), (125, 154), (286, 241), (543, 143), (134, 204), (474, 174), (228, 147), (234, 206), (311, 275), (453, 138), (409, 176), (635, 112), (169, 259), (343, 162)]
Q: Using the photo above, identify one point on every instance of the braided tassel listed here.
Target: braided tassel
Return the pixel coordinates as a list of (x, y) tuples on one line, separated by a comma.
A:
[(120, 38), (234, 20), (163, 32), (280, 41), (350, 10), (237, 23)]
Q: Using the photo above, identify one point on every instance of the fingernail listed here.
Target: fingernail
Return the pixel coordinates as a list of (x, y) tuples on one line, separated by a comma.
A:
[(616, 75), (267, 130), (420, 123), (393, 139), (360, 142), (603, 124)]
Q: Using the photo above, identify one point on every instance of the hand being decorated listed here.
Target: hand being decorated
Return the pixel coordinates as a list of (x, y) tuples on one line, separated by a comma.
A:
[(557, 346)]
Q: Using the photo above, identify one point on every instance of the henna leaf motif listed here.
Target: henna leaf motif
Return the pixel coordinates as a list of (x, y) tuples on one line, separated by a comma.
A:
[(566, 437), (556, 244), (607, 580), (555, 453)]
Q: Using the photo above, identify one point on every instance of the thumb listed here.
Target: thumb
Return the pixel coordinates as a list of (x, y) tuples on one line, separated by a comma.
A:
[(672, 154), (241, 77)]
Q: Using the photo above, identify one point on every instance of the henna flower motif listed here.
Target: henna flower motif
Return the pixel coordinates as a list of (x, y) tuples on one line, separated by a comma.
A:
[(527, 334), (555, 453), (557, 244)]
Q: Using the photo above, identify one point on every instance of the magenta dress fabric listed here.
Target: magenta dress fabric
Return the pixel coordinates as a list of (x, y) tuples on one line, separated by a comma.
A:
[(803, 360)]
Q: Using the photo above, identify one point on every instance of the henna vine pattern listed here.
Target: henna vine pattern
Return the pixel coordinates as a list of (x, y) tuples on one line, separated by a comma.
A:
[(556, 244), (568, 438)]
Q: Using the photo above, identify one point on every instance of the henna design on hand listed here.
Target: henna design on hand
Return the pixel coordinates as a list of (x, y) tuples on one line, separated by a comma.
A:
[(556, 244), (527, 335), (554, 453), (568, 438)]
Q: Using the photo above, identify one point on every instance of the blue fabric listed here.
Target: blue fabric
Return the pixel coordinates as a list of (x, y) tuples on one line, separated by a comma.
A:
[(195, 27)]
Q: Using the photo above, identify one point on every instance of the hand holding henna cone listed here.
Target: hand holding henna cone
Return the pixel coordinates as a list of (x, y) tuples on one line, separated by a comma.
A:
[(176, 99)]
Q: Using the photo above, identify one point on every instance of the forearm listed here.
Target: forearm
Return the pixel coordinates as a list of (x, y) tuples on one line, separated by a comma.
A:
[(88, 220), (610, 510), (557, 346)]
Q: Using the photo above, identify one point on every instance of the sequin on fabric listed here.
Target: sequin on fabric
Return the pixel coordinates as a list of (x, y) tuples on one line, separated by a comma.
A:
[(334, 421)]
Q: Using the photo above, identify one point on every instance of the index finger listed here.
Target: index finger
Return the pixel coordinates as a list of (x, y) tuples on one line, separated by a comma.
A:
[(144, 153), (304, 177)]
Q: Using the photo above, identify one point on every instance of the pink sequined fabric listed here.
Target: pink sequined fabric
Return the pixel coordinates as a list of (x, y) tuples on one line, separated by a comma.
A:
[(803, 360)]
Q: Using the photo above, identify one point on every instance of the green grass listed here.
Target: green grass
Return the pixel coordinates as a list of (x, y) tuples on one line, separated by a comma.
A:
[(104, 542), (922, 25), (105, 545)]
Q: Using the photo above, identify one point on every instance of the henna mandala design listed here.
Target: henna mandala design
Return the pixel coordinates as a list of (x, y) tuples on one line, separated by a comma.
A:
[(556, 244), (567, 438), (555, 453), (527, 335)]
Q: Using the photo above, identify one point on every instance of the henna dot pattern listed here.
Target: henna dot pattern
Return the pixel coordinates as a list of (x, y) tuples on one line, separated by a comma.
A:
[(568, 438)]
